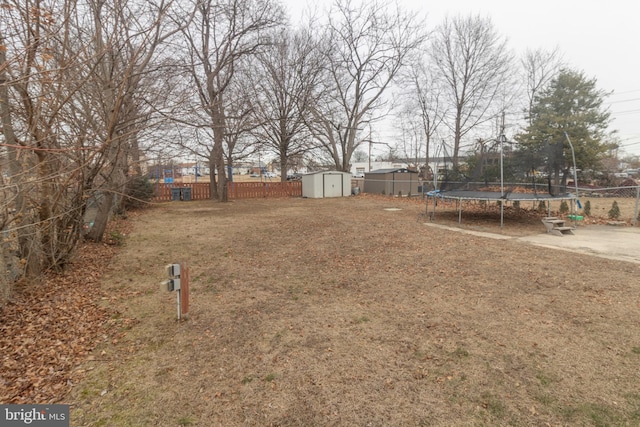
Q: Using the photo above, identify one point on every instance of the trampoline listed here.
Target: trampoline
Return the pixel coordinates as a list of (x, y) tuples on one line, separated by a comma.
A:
[(485, 180), (460, 196)]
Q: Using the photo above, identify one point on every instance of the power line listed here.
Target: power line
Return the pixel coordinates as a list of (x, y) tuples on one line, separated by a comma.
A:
[(625, 111), (625, 92), (623, 100)]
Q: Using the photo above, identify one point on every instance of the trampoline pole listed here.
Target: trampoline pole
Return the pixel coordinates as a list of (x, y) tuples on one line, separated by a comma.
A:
[(502, 138), (435, 205), (426, 208), (459, 211), (575, 179)]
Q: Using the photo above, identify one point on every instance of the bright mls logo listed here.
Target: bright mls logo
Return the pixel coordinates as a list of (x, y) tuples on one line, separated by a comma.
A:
[(34, 415)]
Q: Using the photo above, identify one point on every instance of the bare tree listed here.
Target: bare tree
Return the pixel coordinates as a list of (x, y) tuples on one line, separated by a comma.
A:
[(422, 111), (241, 120), (125, 41), (288, 74), (35, 70), (475, 68), (540, 68), (222, 35), (364, 49)]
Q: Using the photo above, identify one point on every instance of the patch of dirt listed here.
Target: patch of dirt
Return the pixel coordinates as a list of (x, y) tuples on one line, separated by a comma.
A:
[(339, 312)]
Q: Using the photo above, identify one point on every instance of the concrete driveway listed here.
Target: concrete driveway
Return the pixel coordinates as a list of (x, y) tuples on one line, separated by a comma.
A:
[(612, 242)]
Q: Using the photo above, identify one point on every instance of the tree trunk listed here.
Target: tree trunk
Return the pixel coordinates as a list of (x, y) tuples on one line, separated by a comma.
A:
[(219, 128), (283, 167), (213, 186), (26, 237), (113, 188)]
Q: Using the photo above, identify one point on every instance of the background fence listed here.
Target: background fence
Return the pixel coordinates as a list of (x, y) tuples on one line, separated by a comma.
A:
[(600, 199), (235, 190)]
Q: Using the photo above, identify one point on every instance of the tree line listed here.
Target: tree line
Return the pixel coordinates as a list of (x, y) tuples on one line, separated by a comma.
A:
[(91, 90)]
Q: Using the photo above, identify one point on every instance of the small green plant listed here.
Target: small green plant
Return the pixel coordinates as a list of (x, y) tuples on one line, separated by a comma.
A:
[(516, 205), (542, 206), (247, 380), (545, 399), (269, 378), (587, 208), (460, 352), (493, 404), (544, 379), (564, 207), (362, 319), (185, 421), (614, 212), (635, 350), (115, 238)]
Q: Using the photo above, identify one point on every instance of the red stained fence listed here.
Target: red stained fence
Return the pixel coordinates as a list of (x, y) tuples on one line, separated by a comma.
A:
[(235, 190)]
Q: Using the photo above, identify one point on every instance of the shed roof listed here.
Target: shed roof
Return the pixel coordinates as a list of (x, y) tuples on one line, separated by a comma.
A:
[(326, 172)]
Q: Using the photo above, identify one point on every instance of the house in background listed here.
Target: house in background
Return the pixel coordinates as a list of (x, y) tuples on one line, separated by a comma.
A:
[(358, 169)]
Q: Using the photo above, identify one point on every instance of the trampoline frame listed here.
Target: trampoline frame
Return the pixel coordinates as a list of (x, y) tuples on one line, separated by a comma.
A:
[(493, 196)]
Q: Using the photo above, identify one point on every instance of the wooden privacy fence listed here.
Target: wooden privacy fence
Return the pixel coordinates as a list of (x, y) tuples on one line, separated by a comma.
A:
[(255, 190), (235, 190)]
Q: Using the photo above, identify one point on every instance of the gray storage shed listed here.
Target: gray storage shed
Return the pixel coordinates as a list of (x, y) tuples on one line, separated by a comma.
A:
[(326, 184), (392, 182)]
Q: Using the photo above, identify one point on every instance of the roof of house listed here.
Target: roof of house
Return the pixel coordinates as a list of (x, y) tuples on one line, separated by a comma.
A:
[(392, 170)]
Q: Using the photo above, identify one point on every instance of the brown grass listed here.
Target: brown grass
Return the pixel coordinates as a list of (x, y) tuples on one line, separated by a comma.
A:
[(338, 312)]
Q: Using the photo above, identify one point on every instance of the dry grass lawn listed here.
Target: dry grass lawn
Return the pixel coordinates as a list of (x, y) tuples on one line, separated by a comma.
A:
[(338, 312)]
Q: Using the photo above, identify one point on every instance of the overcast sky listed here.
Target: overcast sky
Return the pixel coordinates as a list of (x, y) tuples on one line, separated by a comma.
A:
[(600, 38)]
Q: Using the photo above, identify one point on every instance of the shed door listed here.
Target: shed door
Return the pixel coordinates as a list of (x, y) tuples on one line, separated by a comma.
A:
[(332, 185)]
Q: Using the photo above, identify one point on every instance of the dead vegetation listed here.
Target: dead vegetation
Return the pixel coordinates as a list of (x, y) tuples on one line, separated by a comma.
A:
[(328, 312), (48, 328), (338, 312)]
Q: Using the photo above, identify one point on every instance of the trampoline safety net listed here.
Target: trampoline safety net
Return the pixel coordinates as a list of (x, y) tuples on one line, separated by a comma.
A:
[(502, 166)]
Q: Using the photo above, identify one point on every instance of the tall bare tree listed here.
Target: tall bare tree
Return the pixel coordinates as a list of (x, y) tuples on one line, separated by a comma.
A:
[(540, 67), (364, 48), (223, 33), (288, 75), (36, 87), (126, 38), (475, 68), (422, 111)]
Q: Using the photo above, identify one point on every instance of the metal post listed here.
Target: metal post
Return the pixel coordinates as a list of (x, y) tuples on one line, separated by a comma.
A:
[(575, 178), (179, 305), (636, 213)]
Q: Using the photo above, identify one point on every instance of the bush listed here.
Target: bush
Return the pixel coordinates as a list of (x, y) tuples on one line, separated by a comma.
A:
[(542, 206), (139, 191), (587, 208), (564, 207), (614, 212)]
